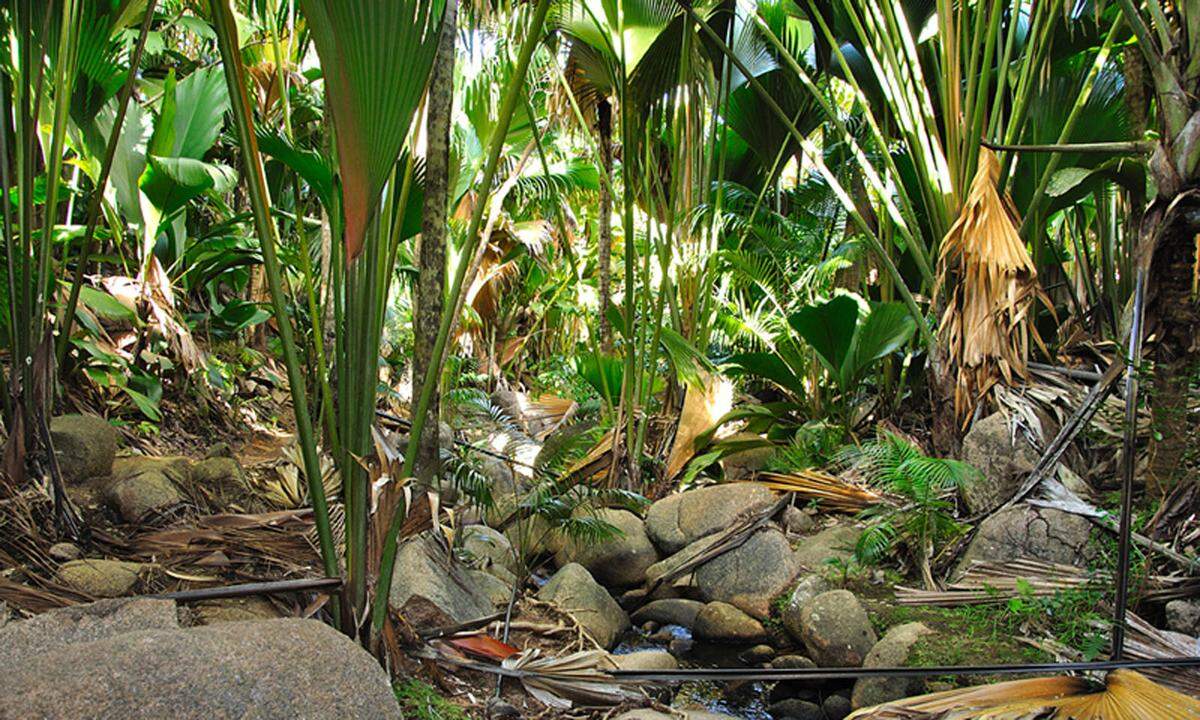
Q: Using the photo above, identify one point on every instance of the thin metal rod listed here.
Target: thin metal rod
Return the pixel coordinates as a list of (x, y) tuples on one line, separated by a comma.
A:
[(771, 674), (258, 588), (1133, 360), (1074, 373), (777, 674), (1134, 147)]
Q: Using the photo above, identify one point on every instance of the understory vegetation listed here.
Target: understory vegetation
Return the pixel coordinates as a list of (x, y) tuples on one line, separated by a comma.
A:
[(511, 278)]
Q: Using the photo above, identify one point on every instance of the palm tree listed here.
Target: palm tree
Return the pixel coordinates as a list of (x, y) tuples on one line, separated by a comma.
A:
[(1168, 37), (431, 283)]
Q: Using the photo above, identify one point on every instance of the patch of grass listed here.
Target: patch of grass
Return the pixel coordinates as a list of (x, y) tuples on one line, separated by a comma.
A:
[(978, 635), (420, 701)]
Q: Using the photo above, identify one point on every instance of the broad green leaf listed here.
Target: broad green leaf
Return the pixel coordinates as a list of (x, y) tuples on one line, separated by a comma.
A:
[(170, 182), (829, 329), (886, 329), (376, 56), (201, 101), (105, 305), (769, 366), (1066, 179), (308, 164)]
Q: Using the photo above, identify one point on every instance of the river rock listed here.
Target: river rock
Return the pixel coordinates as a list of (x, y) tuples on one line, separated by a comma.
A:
[(100, 578), (807, 588), (1003, 458), (723, 623), (836, 707), (743, 464), (211, 612), (670, 611), (892, 650), (575, 592), (431, 590), (58, 628), (751, 575), (619, 561), (677, 714), (267, 669), (146, 494), (677, 520), (645, 660), (490, 550), (177, 469), (497, 590), (796, 709), (219, 473), (85, 446), (833, 543), (1025, 531), (836, 630), (1183, 616), (797, 521)]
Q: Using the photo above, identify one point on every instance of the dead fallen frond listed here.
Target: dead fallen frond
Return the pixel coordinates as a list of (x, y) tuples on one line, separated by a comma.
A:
[(228, 542), (828, 491), (1125, 695), (986, 583), (1143, 641)]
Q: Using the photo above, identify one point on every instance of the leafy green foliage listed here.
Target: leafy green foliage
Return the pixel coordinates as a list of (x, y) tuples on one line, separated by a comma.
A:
[(925, 517)]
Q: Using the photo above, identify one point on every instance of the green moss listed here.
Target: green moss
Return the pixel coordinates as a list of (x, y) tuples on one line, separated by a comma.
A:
[(420, 701)]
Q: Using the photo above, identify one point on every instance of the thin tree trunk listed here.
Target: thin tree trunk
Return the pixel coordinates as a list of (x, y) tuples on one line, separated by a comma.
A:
[(431, 283), (604, 243)]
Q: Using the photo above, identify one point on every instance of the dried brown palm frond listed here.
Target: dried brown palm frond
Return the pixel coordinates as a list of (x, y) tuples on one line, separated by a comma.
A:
[(1143, 641), (985, 327), (829, 491), (1125, 695), (233, 542), (562, 682)]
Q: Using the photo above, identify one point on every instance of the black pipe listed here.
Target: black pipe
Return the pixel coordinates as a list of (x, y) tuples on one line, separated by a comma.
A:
[(1133, 359), (258, 588), (773, 674)]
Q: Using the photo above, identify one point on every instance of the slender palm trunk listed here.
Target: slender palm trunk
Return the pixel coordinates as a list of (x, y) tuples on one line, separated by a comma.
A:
[(431, 284), (604, 243)]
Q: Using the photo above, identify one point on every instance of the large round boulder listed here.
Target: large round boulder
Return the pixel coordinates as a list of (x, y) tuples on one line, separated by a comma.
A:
[(751, 575), (433, 590), (575, 592), (1025, 531), (723, 623), (617, 561), (1003, 456), (836, 629), (807, 588), (85, 446), (678, 520), (268, 669), (892, 650)]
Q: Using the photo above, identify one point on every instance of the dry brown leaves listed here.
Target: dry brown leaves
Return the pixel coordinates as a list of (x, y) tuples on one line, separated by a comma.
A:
[(985, 325)]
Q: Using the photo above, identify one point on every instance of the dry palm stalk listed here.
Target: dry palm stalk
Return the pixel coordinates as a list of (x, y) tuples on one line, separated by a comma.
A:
[(1145, 642), (995, 582), (986, 322), (829, 491), (1125, 695)]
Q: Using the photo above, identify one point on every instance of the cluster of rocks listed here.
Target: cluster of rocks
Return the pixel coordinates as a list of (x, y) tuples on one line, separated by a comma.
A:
[(136, 488)]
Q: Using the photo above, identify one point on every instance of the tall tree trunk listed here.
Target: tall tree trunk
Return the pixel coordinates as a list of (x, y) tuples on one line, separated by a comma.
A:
[(431, 282), (604, 244), (1176, 314)]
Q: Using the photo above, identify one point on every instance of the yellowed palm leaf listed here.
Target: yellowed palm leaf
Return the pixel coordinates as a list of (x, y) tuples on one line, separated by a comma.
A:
[(985, 326), (702, 408), (1126, 695)]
